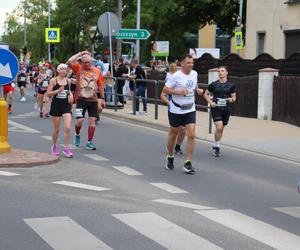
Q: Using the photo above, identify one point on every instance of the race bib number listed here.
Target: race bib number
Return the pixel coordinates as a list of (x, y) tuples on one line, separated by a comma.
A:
[(22, 79), (78, 113), (221, 102), (190, 93), (62, 95), (44, 84)]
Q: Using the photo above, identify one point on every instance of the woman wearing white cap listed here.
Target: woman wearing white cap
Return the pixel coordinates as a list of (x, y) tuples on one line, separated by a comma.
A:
[(60, 89)]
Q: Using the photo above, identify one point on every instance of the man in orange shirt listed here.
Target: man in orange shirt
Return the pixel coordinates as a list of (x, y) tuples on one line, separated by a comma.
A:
[(89, 94)]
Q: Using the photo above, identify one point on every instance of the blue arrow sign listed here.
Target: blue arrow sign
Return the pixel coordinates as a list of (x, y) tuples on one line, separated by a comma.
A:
[(9, 66)]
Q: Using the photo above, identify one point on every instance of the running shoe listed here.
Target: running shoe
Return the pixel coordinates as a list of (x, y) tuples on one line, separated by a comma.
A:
[(9, 110), (178, 150), (23, 99), (68, 152), (54, 150), (41, 115), (216, 151), (90, 146), (188, 168), (77, 140), (170, 162), (47, 115)]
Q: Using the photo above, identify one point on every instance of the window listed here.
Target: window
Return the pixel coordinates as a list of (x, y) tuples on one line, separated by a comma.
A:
[(261, 36), (292, 42)]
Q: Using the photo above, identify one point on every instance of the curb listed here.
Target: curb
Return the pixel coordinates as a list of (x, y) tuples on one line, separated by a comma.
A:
[(166, 128), (26, 159)]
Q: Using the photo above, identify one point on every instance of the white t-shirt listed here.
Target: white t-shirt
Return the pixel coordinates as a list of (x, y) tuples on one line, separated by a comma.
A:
[(179, 80)]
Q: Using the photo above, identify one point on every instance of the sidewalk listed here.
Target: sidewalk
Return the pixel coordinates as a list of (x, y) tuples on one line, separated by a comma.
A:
[(272, 138)]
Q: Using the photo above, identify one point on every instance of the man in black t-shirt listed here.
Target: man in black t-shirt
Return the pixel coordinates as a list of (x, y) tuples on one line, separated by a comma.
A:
[(139, 73), (222, 93), (122, 69)]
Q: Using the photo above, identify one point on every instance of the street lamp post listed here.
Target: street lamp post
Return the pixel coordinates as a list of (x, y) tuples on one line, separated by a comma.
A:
[(49, 26), (138, 26)]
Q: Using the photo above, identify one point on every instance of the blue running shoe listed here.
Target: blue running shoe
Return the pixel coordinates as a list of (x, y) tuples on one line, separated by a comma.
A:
[(77, 140), (90, 146)]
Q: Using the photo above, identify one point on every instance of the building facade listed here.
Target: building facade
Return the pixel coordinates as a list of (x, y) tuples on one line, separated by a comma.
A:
[(273, 27)]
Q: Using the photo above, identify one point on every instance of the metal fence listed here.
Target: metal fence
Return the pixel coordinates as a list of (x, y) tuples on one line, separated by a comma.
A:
[(154, 87), (286, 99)]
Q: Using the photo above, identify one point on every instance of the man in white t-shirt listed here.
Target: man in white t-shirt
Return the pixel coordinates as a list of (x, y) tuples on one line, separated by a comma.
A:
[(182, 87)]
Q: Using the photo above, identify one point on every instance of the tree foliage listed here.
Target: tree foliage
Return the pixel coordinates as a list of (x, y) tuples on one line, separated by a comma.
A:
[(169, 20)]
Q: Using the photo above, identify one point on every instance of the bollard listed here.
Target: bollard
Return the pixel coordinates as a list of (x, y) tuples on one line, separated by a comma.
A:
[(4, 146)]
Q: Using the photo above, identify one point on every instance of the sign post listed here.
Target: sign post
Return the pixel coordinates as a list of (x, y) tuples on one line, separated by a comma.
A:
[(9, 67)]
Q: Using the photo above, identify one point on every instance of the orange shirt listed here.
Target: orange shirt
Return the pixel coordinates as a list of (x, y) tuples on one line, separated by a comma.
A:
[(88, 82)]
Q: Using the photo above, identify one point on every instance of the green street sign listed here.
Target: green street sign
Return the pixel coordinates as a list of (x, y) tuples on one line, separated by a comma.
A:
[(133, 34)]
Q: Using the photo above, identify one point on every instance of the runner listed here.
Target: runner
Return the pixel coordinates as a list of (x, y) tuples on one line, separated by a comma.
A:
[(182, 110), (43, 82), (223, 92), (89, 95), (8, 91), (62, 98), (166, 99), (22, 80)]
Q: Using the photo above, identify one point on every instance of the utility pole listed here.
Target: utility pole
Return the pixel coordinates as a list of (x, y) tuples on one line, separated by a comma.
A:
[(25, 25), (119, 42), (49, 26), (138, 26)]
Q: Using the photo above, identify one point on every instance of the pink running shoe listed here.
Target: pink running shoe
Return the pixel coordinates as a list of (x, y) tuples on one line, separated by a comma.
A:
[(54, 150), (68, 152)]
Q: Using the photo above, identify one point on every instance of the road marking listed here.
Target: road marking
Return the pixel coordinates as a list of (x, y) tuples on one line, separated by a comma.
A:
[(183, 204), (71, 146), (127, 170), (4, 173), (292, 211), (47, 137), (169, 188), (65, 234), (29, 114), (80, 185), (253, 228), (96, 157), (164, 232), (17, 127)]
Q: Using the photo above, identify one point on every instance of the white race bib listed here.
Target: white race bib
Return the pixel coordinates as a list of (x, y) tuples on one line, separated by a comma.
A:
[(221, 102), (62, 95), (78, 113), (45, 84), (22, 79)]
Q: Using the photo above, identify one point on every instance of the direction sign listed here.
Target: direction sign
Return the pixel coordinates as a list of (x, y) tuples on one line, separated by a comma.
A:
[(133, 34), (9, 66), (52, 35)]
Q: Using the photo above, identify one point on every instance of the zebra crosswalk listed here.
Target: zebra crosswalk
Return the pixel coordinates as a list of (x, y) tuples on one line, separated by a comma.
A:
[(65, 234)]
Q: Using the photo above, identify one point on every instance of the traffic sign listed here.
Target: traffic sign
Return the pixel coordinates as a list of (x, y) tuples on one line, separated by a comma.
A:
[(9, 66), (133, 34), (103, 21), (238, 40), (52, 35)]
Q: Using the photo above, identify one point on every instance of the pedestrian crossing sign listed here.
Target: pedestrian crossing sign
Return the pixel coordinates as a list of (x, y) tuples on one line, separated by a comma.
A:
[(52, 35)]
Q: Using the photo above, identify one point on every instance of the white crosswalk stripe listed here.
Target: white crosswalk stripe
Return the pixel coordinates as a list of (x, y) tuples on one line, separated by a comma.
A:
[(164, 232), (81, 185), (47, 137), (4, 173), (182, 204), (169, 188), (127, 170), (96, 157), (17, 127), (63, 233), (253, 228), (292, 211)]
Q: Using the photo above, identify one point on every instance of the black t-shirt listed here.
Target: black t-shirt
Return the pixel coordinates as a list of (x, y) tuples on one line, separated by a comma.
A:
[(221, 91)]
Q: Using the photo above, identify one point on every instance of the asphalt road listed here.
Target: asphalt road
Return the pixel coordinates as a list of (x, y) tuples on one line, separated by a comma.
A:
[(130, 201)]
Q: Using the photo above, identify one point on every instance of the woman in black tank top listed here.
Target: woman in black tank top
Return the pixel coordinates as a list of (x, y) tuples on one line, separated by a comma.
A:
[(59, 89)]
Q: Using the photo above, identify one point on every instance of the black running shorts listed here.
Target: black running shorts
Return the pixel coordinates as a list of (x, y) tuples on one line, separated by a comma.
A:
[(220, 115), (177, 120), (21, 84), (83, 106), (58, 108)]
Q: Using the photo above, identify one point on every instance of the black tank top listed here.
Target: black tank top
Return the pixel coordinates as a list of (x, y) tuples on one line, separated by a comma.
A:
[(63, 95)]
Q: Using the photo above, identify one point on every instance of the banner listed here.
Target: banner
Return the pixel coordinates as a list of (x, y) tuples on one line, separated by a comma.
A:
[(160, 48)]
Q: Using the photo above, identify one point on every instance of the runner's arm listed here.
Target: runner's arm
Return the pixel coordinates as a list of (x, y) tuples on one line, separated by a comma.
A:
[(207, 99), (50, 91), (170, 91), (73, 59), (164, 98), (232, 98)]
